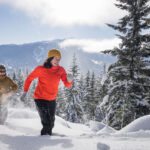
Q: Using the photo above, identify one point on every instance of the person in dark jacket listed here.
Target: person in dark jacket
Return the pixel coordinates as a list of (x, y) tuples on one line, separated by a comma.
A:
[(7, 88), (49, 76)]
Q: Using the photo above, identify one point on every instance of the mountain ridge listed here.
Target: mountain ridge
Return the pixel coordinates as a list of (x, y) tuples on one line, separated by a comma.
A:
[(15, 56)]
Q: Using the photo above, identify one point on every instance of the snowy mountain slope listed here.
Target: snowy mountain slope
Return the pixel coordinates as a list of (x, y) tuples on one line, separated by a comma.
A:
[(33, 54), (21, 132)]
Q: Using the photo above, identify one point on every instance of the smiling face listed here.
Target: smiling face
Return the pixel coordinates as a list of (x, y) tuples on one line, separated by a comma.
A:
[(55, 61), (2, 71)]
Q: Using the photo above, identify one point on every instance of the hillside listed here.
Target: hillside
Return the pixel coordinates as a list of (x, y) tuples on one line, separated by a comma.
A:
[(33, 54)]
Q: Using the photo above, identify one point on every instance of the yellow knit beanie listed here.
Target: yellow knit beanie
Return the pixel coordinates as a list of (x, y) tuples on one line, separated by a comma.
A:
[(53, 53)]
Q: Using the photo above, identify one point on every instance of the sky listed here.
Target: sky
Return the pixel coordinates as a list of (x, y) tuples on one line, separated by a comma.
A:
[(25, 21), (21, 131)]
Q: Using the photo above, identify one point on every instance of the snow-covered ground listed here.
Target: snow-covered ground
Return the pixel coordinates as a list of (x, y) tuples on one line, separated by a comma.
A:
[(22, 132)]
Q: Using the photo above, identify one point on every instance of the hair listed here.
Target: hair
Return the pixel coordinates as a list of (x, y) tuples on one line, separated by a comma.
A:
[(2, 67), (47, 64)]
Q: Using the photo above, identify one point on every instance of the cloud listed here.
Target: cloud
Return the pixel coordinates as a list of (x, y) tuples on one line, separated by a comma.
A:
[(91, 45), (97, 62), (69, 12)]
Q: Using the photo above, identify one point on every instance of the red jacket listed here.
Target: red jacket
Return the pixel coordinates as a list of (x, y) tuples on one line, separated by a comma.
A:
[(48, 81)]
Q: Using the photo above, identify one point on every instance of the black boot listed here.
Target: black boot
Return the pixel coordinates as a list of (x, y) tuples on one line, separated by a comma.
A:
[(49, 132), (46, 131)]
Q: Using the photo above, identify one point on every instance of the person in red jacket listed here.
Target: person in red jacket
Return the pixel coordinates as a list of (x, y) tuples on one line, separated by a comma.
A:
[(49, 75)]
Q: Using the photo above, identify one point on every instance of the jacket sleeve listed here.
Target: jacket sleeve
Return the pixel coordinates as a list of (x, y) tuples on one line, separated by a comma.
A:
[(64, 79), (33, 75), (12, 85)]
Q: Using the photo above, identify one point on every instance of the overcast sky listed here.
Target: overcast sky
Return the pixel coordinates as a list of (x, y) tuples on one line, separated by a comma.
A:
[(78, 21)]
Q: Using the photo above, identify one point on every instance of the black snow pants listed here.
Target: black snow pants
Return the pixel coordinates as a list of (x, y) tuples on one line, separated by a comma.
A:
[(46, 110)]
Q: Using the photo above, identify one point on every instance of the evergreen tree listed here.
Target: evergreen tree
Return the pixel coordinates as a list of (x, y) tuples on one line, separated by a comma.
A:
[(26, 71), (90, 101), (87, 96), (29, 102), (100, 93), (13, 100), (92, 94), (73, 109), (20, 83), (14, 77), (61, 103), (128, 79), (20, 79), (82, 95)]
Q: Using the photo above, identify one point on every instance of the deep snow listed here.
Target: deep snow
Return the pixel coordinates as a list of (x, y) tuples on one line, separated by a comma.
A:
[(22, 132)]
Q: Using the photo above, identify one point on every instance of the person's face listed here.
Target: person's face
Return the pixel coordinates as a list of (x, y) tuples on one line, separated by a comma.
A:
[(2, 72), (55, 61)]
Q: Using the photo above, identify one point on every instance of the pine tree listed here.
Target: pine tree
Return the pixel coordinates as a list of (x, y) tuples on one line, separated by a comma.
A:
[(82, 95), (93, 100), (14, 77), (20, 83), (128, 79), (20, 79), (13, 100), (87, 79), (61, 103), (26, 71), (73, 109), (100, 93), (87, 96), (29, 102), (90, 101)]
